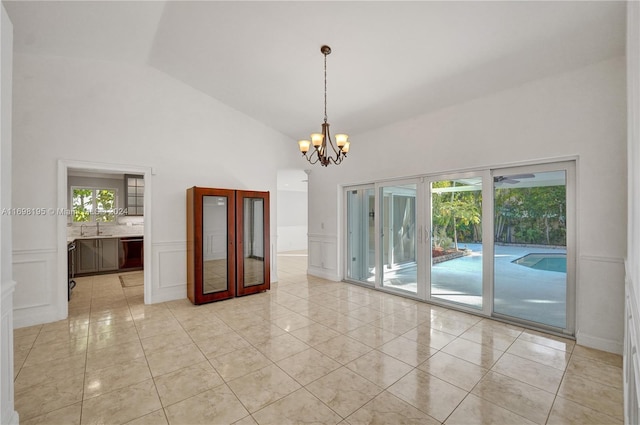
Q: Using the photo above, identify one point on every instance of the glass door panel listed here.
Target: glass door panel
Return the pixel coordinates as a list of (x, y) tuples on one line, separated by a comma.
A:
[(215, 268), (398, 237), (456, 241), (530, 258), (253, 242), (211, 249), (360, 235)]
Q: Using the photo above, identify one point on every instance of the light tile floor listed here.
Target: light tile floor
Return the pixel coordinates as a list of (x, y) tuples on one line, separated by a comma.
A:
[(307, 351)]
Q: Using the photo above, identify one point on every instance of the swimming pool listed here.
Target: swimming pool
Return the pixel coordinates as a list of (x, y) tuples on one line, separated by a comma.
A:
[(548, 262)]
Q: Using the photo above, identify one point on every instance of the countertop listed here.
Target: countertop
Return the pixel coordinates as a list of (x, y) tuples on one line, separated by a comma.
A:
[(127, 235)]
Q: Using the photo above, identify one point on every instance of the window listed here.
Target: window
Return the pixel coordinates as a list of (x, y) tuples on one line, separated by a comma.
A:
[(93, 204)]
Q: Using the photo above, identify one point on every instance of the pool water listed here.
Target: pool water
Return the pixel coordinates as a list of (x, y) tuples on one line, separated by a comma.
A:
[(548, 262)]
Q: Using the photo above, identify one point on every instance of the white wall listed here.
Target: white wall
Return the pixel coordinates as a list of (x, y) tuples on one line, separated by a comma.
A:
[(579, 113), (632, 262), (107, 112), (8, 415), (292, 220)]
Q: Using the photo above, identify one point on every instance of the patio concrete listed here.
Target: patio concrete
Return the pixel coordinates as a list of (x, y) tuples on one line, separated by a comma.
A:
[(519, 291)]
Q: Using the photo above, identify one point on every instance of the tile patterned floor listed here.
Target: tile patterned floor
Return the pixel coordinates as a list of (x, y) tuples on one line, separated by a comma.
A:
[(308, 351)]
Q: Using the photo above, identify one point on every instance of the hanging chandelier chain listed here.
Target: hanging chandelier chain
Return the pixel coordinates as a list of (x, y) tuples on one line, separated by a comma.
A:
[(325, 87)]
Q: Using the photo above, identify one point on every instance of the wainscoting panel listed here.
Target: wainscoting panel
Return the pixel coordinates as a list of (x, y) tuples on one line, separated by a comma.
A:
[(9, 416), (169, 278), (323, 256), (600, 297), (36, 302), (631, 364)]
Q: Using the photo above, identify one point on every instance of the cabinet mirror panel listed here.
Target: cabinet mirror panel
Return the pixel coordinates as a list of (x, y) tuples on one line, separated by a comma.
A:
[(214, 244), (253, 241)]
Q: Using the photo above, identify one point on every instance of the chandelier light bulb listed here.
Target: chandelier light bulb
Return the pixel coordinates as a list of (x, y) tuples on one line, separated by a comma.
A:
[(316, 139), (304, 146), (341, 139)]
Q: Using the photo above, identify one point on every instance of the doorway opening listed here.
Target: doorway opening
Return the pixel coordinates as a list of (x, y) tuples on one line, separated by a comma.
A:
[(291, 246), (93, 197)]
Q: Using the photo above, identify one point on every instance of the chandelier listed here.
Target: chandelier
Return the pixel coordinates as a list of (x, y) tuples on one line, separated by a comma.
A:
[(325, 151)]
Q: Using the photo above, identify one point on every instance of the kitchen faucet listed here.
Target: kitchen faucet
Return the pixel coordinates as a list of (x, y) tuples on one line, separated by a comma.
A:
[(82, 229), (97, 227)]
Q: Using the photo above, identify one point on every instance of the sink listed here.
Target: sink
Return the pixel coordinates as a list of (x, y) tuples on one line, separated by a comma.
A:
[(94, 236)]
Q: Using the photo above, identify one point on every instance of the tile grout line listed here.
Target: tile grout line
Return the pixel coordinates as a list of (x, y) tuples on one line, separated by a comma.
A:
[(146, 360), (86, 353)]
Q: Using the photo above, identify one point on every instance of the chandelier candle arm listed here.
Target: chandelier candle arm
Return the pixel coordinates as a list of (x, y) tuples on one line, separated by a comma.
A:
[(319, 140)]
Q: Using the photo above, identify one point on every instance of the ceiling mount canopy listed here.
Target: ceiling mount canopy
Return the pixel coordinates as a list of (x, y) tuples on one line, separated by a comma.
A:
[(325, 152)]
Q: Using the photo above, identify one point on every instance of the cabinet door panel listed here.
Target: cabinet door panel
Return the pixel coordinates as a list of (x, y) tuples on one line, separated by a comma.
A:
[(215, 270), (108, 254), (210, 244), (252, 235), (86, 256)]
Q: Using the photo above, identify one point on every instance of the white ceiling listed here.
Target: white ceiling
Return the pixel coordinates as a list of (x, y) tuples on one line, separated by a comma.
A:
[(390, 61)]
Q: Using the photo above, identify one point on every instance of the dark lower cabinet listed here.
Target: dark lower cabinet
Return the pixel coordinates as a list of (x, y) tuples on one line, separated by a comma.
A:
[(227, 243), (107, 255), (131, 253), (96, 255)]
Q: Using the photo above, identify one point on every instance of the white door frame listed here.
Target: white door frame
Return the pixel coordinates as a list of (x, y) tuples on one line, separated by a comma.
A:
[(63, 167)]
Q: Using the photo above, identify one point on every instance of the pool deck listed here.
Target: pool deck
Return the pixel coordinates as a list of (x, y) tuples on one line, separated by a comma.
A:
[(519, 291)]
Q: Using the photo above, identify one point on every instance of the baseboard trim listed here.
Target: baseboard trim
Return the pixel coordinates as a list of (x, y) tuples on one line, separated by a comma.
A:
[(609, 345), (14, 419), (314, 271), (24, 317), (175, 292)]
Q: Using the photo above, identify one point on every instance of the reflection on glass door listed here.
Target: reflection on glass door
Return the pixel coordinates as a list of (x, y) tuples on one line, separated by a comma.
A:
[(252, 232), (214, 247), (253, 242), (530, 259), (456, 241), (361, 239), (398, 237)]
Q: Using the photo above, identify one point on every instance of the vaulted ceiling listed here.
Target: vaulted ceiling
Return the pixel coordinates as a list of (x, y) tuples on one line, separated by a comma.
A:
[(391, 60)]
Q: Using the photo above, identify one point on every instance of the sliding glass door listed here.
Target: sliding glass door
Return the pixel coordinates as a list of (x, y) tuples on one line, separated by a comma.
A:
[(533, 252), (496, 242), (398, 237), (456, 241), (361, 241)]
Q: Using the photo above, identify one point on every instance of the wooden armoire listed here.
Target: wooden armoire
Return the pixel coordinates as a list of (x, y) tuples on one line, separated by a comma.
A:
[(227, 243)]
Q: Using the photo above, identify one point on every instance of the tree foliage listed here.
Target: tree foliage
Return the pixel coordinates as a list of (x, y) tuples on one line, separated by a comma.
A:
[(456, 215), (82, 205), (105, 202), (99, 203), (531, 215)]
